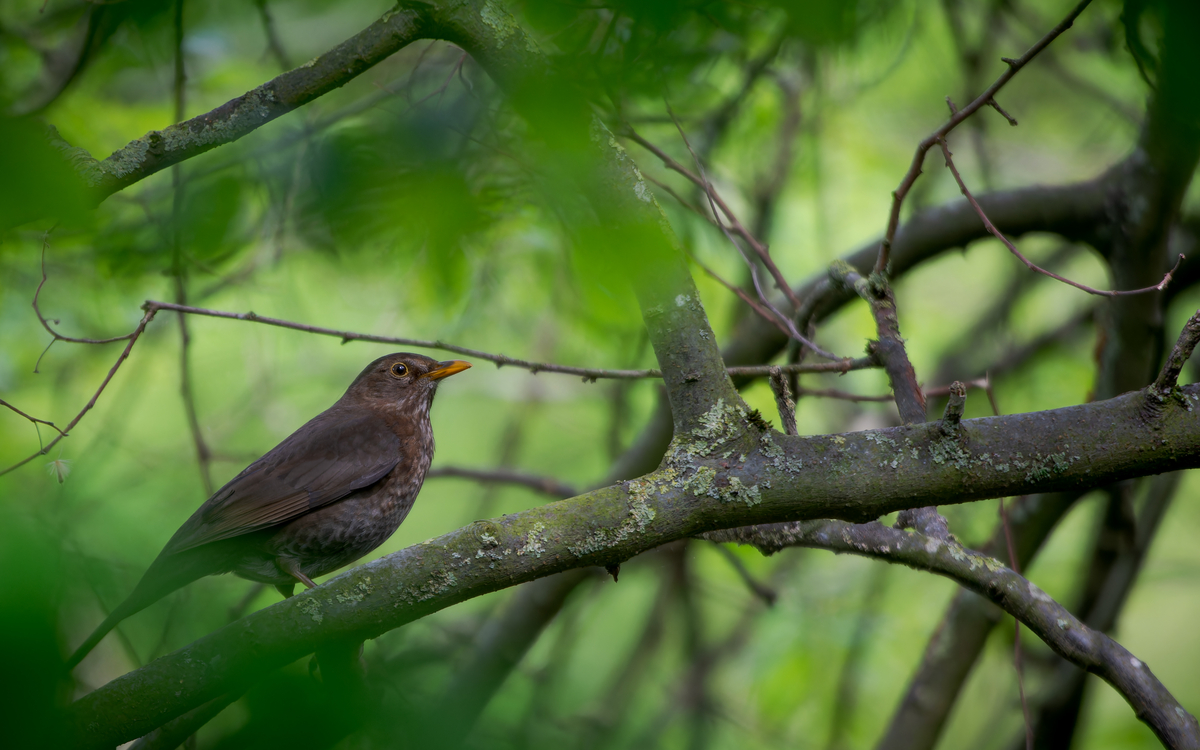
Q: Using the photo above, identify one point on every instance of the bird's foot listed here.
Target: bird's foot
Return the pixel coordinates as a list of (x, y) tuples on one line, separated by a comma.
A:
[(291, 566)]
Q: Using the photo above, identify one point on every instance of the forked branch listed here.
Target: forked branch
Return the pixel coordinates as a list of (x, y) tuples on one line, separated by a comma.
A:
[(984, 99), (1062, 631)]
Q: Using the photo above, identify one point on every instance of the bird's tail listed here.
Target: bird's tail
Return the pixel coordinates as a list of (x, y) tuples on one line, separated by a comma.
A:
[(166, 574)]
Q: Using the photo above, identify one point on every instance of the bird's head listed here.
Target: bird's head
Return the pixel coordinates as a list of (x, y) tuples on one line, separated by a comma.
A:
[(402, 377)]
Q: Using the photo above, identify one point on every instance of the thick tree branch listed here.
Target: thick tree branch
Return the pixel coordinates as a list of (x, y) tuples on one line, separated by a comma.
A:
[(1067, 635), (704, 485), (160, 149)]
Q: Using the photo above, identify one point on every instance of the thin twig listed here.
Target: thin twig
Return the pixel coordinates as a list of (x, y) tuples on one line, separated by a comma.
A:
[(776, 314), (545, 485), (702, 182), (132, 338), (761, 590), (186, 391), (46, 323), (274, 45), (1168, 377), (834, 393), (914, 169), (679, 198), (587, 373), (754, 304), (996, 106), (35, 420), (1028, 263), (761, 250)]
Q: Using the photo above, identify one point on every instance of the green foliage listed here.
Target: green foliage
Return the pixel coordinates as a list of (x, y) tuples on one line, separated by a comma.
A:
[(37, 174), (415, 202)]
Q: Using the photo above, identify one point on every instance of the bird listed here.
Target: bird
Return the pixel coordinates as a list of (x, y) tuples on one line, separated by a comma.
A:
[(331, 492)]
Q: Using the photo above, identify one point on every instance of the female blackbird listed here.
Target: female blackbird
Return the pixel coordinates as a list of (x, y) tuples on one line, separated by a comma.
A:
[(334, 490)]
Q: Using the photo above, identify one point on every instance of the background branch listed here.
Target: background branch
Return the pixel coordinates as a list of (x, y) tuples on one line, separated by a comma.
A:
[(1058, 628)]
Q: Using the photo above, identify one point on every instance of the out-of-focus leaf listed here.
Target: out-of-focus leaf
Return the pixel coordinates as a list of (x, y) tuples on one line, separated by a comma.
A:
[(35, 179), (28, 641), (396, 187), (209, 208)]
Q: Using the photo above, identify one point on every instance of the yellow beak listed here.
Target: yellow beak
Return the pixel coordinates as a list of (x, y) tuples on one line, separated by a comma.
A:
[(447, 368)]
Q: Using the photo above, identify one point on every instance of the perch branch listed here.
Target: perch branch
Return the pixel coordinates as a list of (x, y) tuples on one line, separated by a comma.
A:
[(1098, 443)]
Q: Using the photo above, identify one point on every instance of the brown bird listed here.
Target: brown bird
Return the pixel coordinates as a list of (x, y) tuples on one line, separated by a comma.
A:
[(334, 490)]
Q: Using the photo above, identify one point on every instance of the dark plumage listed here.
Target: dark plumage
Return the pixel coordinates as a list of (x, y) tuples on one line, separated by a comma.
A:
[(334, 490)]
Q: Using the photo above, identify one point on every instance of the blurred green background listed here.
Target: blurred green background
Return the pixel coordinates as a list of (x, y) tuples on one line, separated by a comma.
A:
[(407, 203)]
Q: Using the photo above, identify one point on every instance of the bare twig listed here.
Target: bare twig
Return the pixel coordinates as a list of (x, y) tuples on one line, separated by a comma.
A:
[(46, 323), (996, 106), (1028, 263), (700, 181), (849, 681), (1018, 661), (587, 373), (545, 485), (784, 321), (754, 304), (839, 395), (186, 391), (841, 367), (132, 338), (914, 169), (760, 590), (33, 419), (274, 45), (1180, 354)]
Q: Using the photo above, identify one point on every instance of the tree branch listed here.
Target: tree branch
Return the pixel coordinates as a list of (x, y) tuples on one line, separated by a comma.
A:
[(589, 374), (914, 169), (962, 186), (132, 339), (1062, 631), (160, 149), (545, 485), (703, 486)]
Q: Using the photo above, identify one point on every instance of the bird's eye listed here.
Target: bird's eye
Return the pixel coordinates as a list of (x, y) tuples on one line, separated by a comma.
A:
[(399, 369)]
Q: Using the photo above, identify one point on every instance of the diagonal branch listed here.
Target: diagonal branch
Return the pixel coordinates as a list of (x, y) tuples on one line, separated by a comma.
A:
[(160, 149), (914, 169), (1028, 263), (1062, 631), (695, 491), (132, 339), (32, 419)]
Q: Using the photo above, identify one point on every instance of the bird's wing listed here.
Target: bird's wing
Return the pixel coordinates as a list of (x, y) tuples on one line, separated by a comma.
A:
[(336, 453)]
